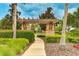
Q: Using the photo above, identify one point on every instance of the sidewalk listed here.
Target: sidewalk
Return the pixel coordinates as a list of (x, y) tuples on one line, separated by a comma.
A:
[(36, 49)]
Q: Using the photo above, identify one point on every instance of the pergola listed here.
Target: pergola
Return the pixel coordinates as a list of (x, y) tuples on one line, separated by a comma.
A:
[(50, 24)]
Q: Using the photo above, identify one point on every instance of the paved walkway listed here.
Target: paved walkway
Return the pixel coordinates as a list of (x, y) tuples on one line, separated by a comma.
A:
[(36, 49)]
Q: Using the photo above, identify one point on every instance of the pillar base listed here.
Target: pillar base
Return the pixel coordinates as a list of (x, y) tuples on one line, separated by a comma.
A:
[(49, 32)]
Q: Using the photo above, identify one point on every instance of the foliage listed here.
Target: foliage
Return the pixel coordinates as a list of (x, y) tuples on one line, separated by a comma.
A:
[(41, 35), (26, 34), (6, 23), (70, 20), (73, 39), (56, 38), (36, 28), (58, 29), (53, 38), (19, 34), (73, 19), (18, 26), (48, 14), (6, 51), (74, 32), (10, 47)]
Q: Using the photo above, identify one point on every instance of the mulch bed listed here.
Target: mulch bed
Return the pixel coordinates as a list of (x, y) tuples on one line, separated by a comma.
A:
[(52, 49)]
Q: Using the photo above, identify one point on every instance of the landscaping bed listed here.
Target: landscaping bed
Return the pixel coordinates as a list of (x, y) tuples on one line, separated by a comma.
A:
[(52, 45), (52, 49), (12, 47), (56, 38)]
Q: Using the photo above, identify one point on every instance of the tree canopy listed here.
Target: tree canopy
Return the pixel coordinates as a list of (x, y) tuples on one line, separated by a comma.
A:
[(48, 14), (73, 19), (6, 22)]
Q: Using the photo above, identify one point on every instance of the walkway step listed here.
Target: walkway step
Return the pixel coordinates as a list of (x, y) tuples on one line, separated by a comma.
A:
[(36, 49)]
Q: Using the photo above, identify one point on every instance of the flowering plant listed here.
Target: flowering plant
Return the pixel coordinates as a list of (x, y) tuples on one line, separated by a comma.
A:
[(76, 46)]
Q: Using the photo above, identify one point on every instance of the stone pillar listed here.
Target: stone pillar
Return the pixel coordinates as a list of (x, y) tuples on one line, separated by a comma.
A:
[(47, 29), (53, 29), (22, 27), (50, 29), (29, 27)]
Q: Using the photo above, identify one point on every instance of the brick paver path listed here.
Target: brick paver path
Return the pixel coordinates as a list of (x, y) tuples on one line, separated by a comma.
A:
[(36, 49)]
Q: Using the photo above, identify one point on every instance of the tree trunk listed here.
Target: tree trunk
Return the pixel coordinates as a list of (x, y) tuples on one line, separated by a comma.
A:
[(62, 41), (14, 10)]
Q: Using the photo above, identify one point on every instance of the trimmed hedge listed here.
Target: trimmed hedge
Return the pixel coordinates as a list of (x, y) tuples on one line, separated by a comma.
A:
[(53, 38), (19, 34), (74, 32), (56, 39), (41, 35), (73, 39), (11, 47)]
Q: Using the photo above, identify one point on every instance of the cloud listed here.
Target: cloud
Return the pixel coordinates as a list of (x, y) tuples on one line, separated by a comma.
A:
[(35, 9), (72, 10)]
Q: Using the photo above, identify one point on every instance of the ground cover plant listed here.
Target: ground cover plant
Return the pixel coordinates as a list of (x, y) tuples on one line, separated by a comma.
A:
[(12, 47)]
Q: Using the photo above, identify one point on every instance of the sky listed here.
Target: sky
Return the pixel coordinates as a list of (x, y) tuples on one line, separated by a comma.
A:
[(33, 10)]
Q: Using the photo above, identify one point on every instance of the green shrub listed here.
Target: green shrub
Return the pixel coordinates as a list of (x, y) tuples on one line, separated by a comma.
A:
[(15, 46), (6, 34), (19, 34), (58, 29), (74, 32), (6, 51), (56, 39), (26, 34), (40, 35), (73, 39), (53, 38)]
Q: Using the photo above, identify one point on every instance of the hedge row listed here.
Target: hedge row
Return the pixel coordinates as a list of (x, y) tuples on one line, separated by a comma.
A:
[(12, 47), (73, 39), (19, 34), (53, 38), (56, 38)]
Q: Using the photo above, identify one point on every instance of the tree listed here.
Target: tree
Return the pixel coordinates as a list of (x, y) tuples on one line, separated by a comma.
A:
[(76, 18), (14, 13), (73, 19), (70, 19), (6, 22), (62, 41), (48, 14)]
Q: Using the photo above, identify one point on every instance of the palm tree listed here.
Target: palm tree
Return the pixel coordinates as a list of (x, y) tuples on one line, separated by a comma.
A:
[(14, 13), (62, 41)]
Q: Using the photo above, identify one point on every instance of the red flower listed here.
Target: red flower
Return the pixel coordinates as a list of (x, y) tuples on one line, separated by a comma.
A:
[(76, 46)]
